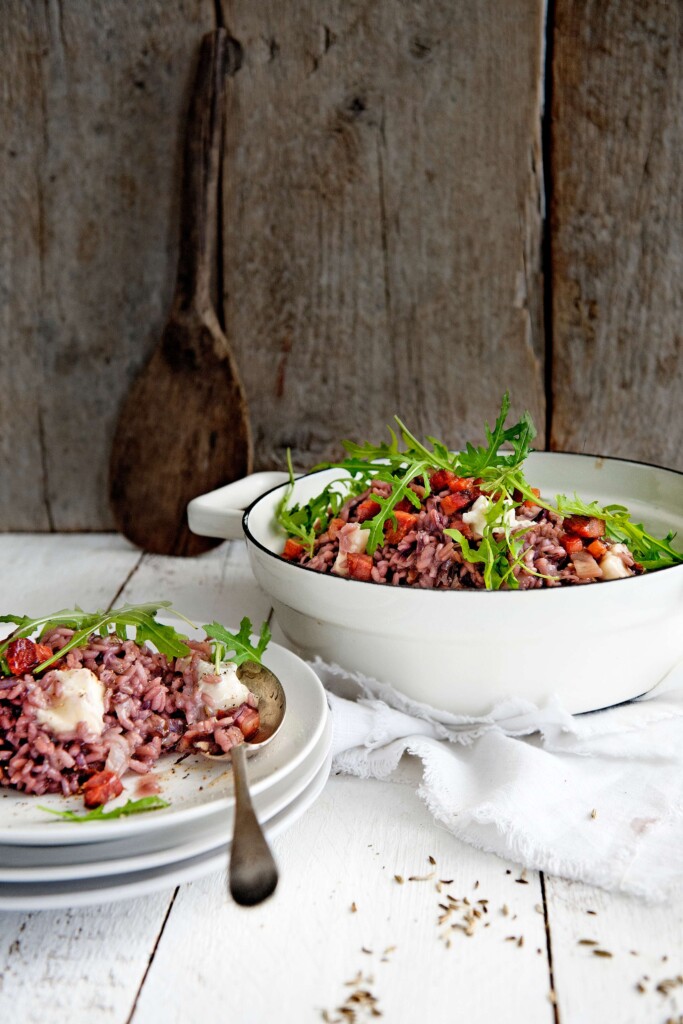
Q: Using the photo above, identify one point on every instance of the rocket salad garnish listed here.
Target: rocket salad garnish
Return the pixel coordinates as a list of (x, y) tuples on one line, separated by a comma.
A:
[(651, 552), (141, 806), (494, 470), (237, 645), (399, 464), (141, 620)]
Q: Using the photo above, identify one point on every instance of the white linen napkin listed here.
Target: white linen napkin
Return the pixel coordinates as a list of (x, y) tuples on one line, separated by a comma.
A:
[(595, 797)]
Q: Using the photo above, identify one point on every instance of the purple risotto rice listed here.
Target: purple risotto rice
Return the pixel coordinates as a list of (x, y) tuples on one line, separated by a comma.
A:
[(110, 706), (418, 553)]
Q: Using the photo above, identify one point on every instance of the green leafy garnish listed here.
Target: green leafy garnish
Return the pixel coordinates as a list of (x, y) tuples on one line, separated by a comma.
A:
[(239, 643), (396, 465), (139, 617), (146, 803), (406, 464), (306, 522), (402, 462), (501, 471), (651, 552)]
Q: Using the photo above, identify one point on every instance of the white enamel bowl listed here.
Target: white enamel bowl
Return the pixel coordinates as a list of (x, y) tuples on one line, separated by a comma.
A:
[(463, 651)]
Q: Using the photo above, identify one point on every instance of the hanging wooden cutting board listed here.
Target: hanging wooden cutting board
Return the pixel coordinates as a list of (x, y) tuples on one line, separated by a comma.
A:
[(184, 429)]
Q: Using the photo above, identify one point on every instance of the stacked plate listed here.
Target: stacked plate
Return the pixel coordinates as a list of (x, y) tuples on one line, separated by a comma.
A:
[(46, 862)]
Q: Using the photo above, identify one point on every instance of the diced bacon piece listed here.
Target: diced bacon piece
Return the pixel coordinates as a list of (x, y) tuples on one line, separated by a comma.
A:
[(23, 655), (352, 539), (463, 483), (293, 550), (43, 652), (367, 509), (585, 526), (100, 788), (248, 719), (597, 548), (334, 526), (571, 544), (518, 496), (404, 505), (405, 522), (446, 478), (360, 566), (458, 523), (528, 505), (439, 481), (454, 502)]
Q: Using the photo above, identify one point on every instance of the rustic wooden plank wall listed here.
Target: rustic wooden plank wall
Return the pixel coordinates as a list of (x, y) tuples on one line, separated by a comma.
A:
[(382, 217), (382, 224), (617, 228), (93, 96)]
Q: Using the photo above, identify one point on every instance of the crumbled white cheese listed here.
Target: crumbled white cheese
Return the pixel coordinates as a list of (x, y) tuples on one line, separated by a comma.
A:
[(476, 518), (612, 566), (227, 693), (82, 700), (352, 540)]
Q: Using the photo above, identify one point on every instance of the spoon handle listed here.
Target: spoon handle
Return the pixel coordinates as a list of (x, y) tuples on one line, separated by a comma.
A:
[(253, 872)]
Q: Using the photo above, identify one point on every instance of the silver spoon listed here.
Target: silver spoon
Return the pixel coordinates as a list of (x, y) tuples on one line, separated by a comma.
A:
[(253, 873)]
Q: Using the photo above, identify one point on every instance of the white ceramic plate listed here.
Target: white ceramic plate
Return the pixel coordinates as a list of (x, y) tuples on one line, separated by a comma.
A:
[(195, 787), (63, 895), (36, 864)]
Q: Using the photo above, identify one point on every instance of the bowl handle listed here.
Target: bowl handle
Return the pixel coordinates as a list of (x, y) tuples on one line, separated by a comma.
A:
[(219, 513)]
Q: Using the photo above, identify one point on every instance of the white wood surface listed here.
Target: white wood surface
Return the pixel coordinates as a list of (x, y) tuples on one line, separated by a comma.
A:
[(190, 954)]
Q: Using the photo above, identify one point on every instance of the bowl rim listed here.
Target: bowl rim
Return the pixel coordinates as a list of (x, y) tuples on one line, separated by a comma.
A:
[(442, 590)]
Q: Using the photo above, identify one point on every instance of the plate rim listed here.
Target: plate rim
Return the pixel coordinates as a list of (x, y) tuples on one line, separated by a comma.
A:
[(164, 878), (217, 838)]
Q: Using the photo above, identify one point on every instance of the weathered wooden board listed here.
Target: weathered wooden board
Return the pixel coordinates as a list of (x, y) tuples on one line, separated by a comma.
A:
[(617, 229), (93, 96), (640, 981), (346, 850), (382, 217)]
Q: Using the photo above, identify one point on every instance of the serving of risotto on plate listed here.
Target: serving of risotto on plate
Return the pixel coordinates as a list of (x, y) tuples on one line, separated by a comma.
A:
[(82, 702)]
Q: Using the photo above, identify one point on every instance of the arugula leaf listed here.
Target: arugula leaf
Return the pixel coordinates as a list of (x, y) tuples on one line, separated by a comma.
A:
[(400, 489), (240, 643), (20, 620), (501, 472), (651, 552), (398, 466), (308, 521), (146, 803), (500, 548), (141, 618)]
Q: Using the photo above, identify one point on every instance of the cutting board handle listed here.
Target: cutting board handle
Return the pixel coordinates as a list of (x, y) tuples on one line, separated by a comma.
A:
[(203, 139), (219, 513)]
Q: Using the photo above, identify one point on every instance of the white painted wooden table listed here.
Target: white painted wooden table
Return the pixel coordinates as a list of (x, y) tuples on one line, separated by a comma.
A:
[(339, 915)]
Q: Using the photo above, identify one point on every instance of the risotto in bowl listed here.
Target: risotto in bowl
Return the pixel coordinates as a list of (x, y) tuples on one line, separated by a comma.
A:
[(464, 578)]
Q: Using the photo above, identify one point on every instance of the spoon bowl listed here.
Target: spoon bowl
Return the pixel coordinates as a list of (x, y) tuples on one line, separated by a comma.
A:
[(272, 704), (253, 873)]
